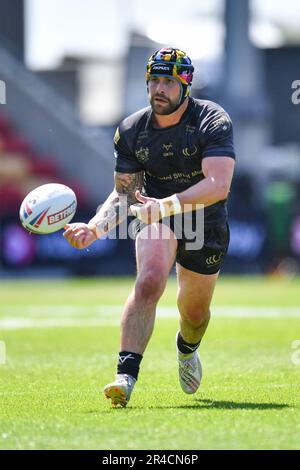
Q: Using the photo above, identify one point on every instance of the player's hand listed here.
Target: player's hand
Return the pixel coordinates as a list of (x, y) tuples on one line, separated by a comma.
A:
[(79, 235), (148, 211)]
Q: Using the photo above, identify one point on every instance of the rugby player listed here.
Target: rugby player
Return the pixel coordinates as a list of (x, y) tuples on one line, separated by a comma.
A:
[(171, 157)]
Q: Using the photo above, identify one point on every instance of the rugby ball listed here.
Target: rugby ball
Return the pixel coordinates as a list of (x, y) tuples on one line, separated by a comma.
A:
[(48, 208)]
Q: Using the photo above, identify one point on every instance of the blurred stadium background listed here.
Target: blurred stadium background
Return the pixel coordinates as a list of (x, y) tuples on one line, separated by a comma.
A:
[(71, 70)]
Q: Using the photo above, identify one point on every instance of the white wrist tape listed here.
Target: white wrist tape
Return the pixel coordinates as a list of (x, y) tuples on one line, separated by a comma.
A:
[(176, 204), (165, 210)]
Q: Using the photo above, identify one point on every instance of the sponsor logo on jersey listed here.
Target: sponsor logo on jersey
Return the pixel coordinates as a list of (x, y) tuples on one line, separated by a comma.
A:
[(190, 153), (142, 154), (167, 147), (141, 136), (190, 129), (61, 215), (167, 153)]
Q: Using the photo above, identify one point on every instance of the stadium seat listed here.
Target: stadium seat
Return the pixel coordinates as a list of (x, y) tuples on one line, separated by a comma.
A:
[(22, 169)]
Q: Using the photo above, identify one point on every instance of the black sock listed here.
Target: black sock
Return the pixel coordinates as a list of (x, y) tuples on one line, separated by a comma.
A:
[(129, 363), (184, 347)]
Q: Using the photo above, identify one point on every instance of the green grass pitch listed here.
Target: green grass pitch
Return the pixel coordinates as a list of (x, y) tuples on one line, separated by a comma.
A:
[(61, 341)]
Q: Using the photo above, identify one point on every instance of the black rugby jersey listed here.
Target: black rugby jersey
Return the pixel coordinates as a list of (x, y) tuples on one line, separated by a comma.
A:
[(171, 157)]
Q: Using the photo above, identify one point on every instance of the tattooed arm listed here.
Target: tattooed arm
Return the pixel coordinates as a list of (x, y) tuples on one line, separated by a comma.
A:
[(114, 211)]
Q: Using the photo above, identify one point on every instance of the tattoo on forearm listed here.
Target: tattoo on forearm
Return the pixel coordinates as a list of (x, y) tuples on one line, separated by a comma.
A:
[(128, 183), (115, 209)]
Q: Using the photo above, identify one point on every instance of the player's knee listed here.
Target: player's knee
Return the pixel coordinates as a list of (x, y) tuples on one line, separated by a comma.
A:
[(195, 315), (150, 284)]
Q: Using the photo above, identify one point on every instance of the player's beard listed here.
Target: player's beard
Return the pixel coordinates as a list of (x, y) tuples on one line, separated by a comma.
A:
[(167, 107)]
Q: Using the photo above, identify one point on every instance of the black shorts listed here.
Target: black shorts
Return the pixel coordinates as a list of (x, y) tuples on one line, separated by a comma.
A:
[(208, 259)]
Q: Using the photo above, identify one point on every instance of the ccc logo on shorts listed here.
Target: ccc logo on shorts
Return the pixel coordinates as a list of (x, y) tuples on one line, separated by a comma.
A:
[(213, 260)]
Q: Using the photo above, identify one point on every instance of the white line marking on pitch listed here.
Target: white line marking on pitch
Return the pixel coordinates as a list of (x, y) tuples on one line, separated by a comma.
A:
[(64, 316)]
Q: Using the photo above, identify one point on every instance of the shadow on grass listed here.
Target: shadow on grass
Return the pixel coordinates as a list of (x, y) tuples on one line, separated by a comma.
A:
[(206, 404), (228, 405)]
